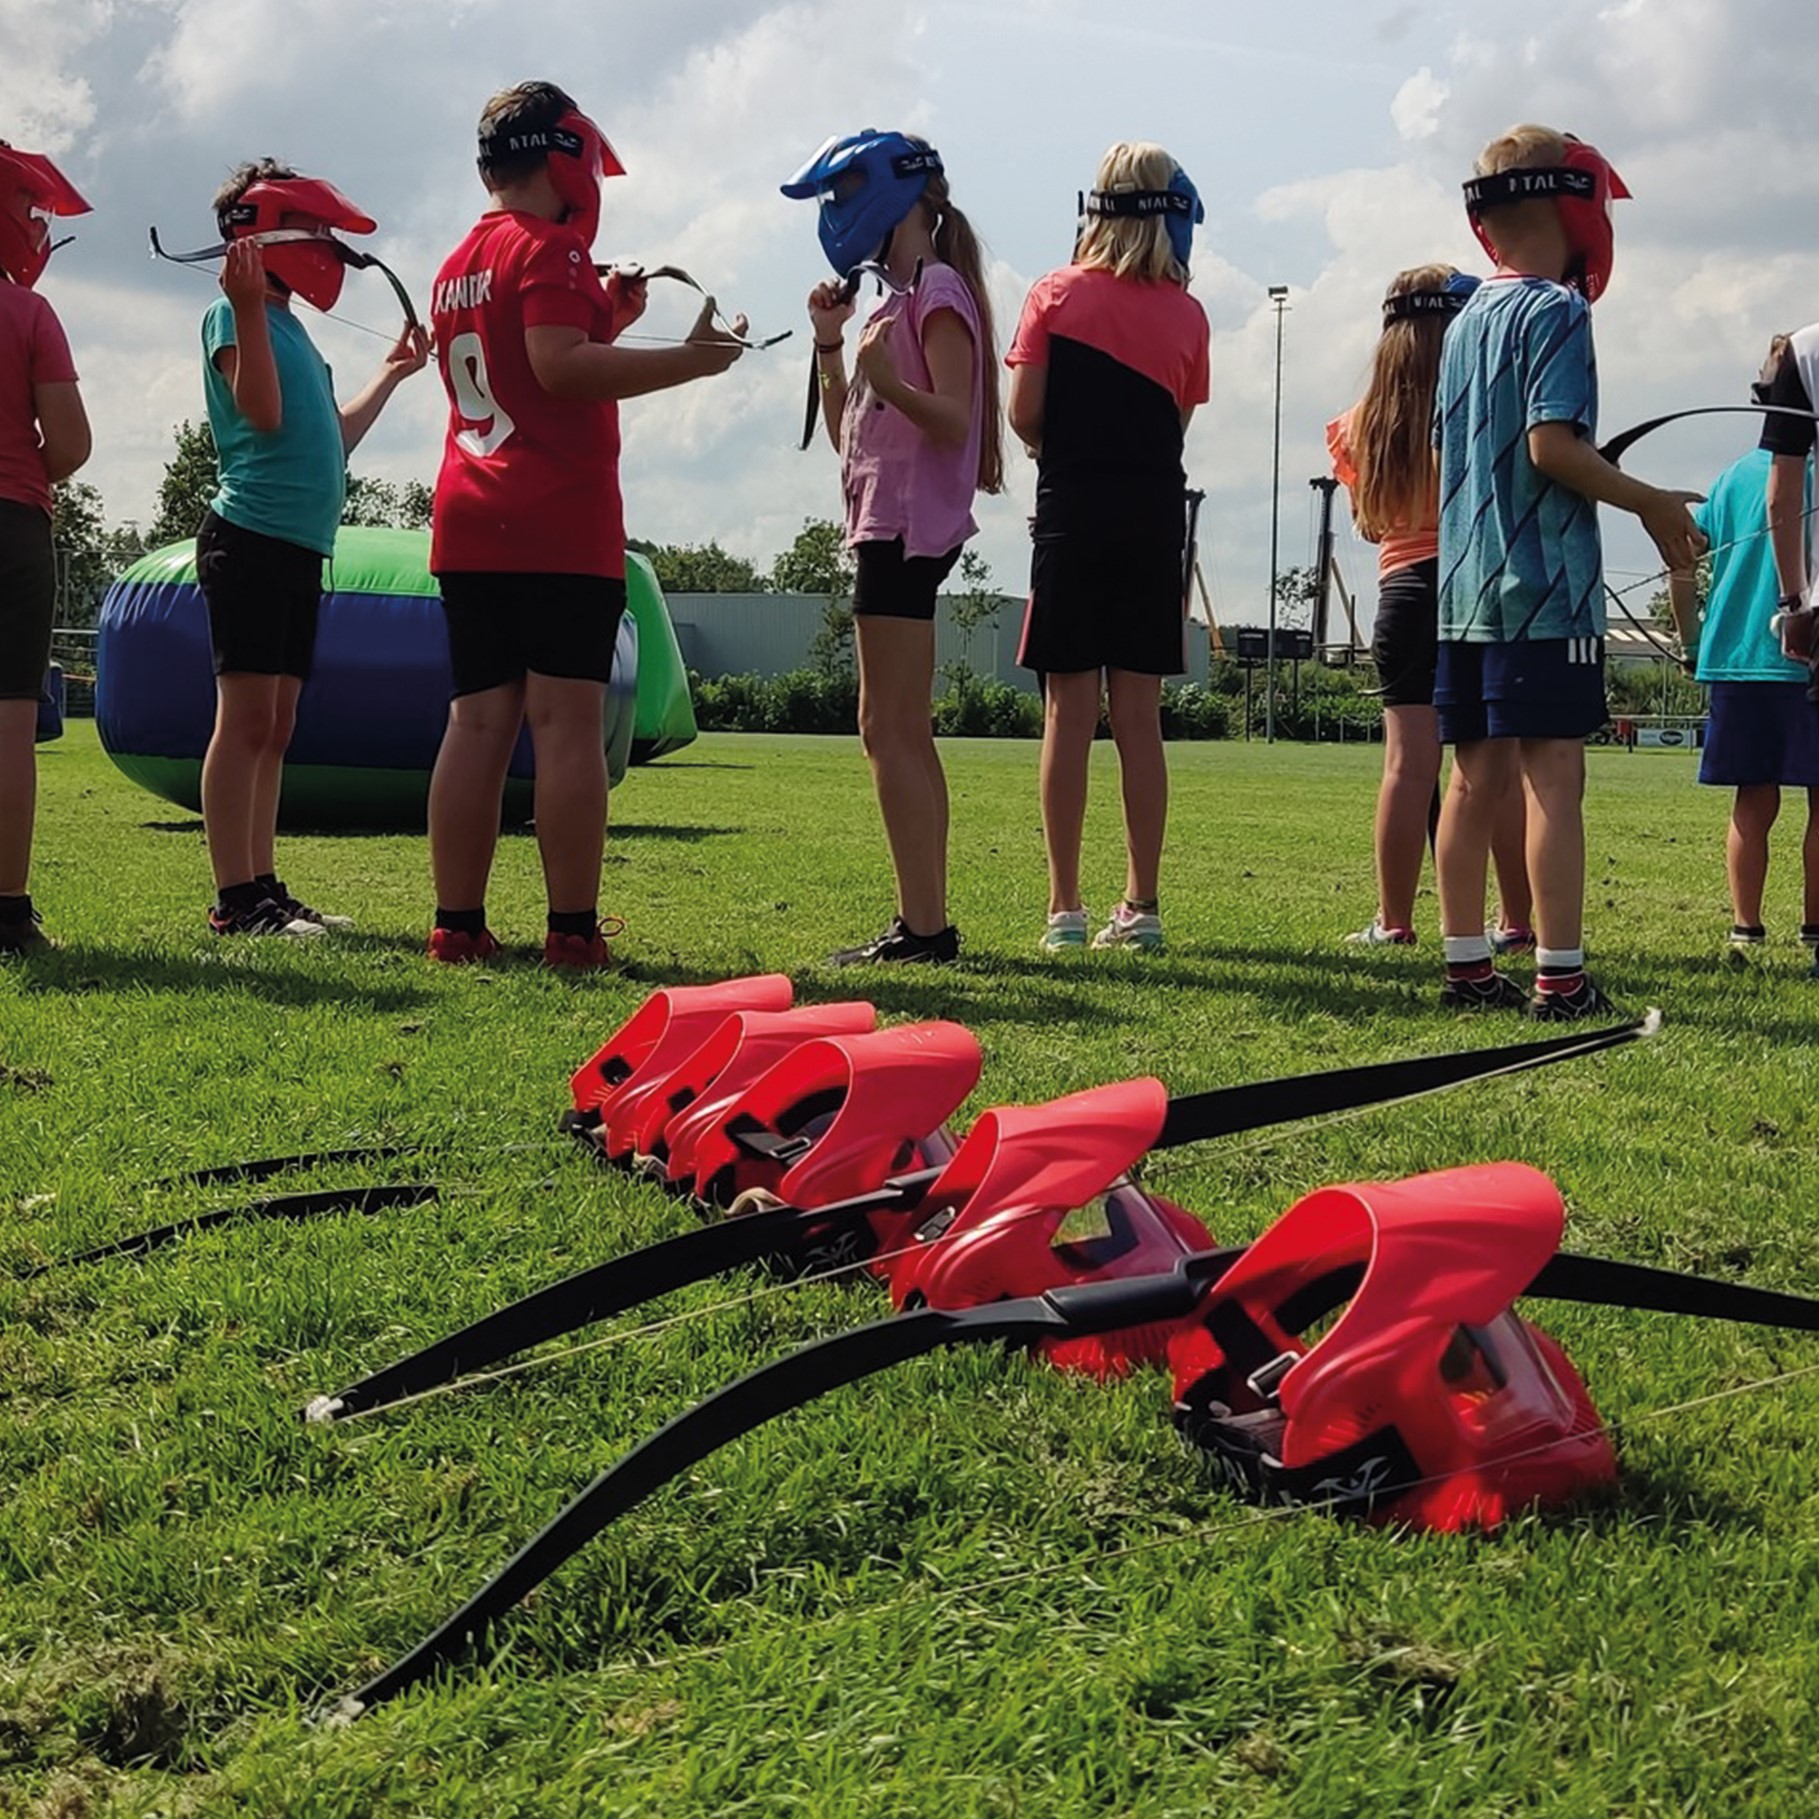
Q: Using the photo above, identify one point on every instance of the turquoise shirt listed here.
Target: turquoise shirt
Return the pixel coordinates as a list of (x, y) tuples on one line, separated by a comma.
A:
[(1735, 642), (1520, 558), (290, 483)]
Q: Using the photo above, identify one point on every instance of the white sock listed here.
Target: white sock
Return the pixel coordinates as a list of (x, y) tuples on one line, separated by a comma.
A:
[(1560, 959), (1465, 950)]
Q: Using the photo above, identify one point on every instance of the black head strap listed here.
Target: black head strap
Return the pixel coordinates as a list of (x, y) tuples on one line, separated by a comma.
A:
[(1555, 182), (1137, 204), (1423, 306)]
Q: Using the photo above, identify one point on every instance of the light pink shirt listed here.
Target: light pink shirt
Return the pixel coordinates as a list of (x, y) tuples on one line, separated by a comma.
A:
[(33, 352), (898, 482)]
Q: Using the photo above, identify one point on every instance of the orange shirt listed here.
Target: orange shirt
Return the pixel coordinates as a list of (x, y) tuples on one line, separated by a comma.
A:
[(1406, 544)]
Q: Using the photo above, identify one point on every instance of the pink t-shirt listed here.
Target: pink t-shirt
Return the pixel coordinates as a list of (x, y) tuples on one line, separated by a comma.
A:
[(1157, 330), (898, 483), (33, 351)]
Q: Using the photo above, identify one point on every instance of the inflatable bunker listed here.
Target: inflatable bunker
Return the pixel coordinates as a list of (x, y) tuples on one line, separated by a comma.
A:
[(371, 716)]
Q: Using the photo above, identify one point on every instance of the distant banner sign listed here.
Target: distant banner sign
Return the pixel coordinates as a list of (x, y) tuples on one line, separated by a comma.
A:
[(1252, 644)]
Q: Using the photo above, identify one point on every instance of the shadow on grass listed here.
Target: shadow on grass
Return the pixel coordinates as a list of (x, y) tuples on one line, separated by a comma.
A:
[(75, 968)]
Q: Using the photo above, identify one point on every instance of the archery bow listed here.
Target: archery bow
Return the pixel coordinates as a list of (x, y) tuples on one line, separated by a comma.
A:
[(634, 273), (350, 256), (1061, 1314), (867, 268), (801, 1238)]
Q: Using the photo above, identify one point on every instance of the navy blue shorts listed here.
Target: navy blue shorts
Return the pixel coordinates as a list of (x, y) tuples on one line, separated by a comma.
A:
[(1761, 732), (1547, 688)]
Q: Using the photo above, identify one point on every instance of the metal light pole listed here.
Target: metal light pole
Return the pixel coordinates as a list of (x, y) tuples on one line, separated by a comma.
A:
[(1278, 296)]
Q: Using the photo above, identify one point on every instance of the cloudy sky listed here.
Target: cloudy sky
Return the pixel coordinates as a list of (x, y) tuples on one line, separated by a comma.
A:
[(1328, 137)]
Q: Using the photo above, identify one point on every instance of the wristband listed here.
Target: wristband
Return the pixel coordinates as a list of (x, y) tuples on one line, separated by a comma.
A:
[(830, 347)]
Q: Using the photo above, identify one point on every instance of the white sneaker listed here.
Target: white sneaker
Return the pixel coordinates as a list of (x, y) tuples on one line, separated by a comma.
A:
[(1066, 929), (1379, 936), (1131, 928)]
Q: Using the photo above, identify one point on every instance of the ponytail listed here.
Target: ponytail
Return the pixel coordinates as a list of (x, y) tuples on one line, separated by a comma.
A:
[(956, 244)]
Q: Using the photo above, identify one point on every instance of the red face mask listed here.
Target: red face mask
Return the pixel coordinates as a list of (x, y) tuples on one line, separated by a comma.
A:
[(32, 192), (579, 157), (312, 267), (1582, 186)]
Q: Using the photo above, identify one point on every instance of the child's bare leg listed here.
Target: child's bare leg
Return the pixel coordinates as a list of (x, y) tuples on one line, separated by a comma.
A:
[(465, 790), (1135, 705), (1509, 855), (896, 670), (1753, 813), (1070, 713), (232, 769), (1411, 768), (269, 784), (568, 731), (1553, 774), (18, 793), (1481, 775), (1809, 856)]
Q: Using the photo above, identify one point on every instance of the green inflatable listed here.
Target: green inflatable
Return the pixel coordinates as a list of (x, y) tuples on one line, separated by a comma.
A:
[(371, 717)]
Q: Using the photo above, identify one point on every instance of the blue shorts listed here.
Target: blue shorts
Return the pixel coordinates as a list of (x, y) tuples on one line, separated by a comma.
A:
[(1761, 732), (1546, 688)]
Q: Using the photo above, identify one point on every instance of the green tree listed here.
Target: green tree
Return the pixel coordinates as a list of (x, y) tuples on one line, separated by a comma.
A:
[(403, 506), (80, 534), (976, 603), (818, 563), (190, 478), (703, 568)]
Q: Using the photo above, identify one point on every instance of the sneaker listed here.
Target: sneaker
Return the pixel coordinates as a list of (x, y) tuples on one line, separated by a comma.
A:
[(1141, 929), (1584, 1000), (1378, 936), (267, 917), (1508, 943), (1066, 929), (25, 936), (301, 912), (456, 947), (1494, 992), (899, 944), (577, 953), (1743, 945)]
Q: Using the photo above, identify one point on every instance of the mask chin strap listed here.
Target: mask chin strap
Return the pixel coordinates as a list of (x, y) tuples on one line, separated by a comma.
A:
[(849, 289), (349, 256)]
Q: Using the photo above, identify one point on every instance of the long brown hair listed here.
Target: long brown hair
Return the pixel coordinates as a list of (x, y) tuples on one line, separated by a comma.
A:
[(956, 244), (1392, 429)]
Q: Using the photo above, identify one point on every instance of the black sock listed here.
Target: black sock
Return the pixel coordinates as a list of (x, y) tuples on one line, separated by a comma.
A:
[(16, 909), (238, 899), (462, 922), (585, 923), (273, 888), (1809, 933), (1753, 930)]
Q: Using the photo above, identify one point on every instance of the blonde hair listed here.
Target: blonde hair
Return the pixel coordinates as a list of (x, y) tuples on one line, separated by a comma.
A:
[(1131, 246), (957, 244), (1391, 432), (1522, 148)]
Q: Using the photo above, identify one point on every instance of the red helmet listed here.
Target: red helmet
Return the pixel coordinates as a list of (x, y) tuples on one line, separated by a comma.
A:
[(579, 156), (32, 190), (312, 266), (1582, 186)]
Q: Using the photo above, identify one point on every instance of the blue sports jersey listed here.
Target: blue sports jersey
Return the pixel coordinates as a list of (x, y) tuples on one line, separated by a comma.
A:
[(1735, 641), (1520, 558), (290, 483)]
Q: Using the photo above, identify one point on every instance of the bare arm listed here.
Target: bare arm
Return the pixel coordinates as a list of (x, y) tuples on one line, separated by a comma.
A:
[(248, 367), (1683, 602), (1565, 456), (830, 307), (943, 413), (1786, 529), (568, 365), (1027, 407), (64, 438), (410, 354)]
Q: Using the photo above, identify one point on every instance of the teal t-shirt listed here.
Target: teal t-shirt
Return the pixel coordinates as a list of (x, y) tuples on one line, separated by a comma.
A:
[(290, 483), (1735, 642), (1519, 554)]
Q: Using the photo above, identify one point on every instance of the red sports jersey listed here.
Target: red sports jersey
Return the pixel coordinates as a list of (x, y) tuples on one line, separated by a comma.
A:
[(529, 483)]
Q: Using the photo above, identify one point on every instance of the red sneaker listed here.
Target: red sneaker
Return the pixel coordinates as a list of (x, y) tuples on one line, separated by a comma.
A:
[(582, 953), (454, 947)]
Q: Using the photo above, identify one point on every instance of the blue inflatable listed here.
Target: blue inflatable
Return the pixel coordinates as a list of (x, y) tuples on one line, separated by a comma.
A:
[(371, 716)]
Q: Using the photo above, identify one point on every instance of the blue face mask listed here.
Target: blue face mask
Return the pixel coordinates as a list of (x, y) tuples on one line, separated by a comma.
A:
[(866, 184), (1179, 206)]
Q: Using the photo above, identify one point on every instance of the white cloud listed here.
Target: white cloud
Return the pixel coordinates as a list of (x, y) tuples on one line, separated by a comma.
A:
[(1417, 104)]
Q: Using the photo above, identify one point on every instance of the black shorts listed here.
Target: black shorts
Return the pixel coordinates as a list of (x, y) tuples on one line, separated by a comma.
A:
[(1405, 637), (891, 585), (501, 627), (1545, 688), (1104, 599), (264, 595), (28, 599)]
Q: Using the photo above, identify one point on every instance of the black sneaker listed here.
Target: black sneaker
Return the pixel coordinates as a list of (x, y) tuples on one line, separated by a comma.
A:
[(1584, 1000), (25, 936), (899, 944), (301, 912), (266, 917), (1493, 992)]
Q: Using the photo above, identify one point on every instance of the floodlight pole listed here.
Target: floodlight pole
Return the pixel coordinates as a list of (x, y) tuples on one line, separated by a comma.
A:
[(1279, 296)]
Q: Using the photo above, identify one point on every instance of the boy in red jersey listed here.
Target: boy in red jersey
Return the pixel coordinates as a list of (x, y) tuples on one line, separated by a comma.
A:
[(529, 536)]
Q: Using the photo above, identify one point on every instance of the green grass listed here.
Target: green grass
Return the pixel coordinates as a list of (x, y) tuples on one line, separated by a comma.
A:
[(971, 1586)]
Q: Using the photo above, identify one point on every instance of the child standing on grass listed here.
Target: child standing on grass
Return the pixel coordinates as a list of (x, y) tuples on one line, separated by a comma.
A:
[(1519, 681), (1763, 733), (917, 431), (529, 529), (1109, 361), (1382, 450), (44, 438), (283, 444)]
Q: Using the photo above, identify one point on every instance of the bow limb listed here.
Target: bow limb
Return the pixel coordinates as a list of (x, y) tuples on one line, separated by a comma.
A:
[(1619, 445), (352, 255), (773, 1390)]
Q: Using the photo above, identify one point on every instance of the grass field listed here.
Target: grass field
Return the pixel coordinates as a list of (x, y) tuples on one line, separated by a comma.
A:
[(968, 1587)]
